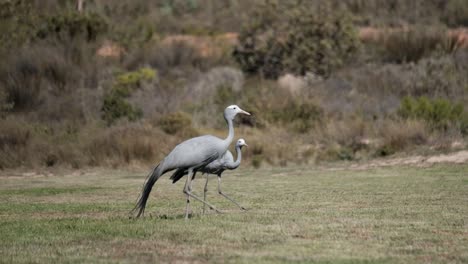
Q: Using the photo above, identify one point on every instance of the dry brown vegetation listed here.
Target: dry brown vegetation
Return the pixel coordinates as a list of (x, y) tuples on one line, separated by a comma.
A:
[(123, 82)]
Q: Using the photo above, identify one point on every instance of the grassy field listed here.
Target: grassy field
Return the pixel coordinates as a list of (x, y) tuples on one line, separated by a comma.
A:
[(297, 214)]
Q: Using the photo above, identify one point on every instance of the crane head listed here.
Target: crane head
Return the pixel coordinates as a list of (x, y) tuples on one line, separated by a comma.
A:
[(231, 111), (241, 142)]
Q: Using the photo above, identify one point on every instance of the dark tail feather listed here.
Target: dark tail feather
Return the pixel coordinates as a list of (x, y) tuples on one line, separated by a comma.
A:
[(146, 190), (178, 174)]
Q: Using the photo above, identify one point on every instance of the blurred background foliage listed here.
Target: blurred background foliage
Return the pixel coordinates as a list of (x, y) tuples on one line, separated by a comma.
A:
[(119, 83)]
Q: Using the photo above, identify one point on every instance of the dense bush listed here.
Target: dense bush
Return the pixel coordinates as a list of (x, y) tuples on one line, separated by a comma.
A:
[(73, 25), (18, 22), (439, 113), (398, 13), (36, 72), (399, 135), (411, 45), (456, 13), (123, 144), (320, 43), (303, 40), (375, 89), (135, 78), (115, 105), (300, 115), (4, 104), (177, 123), (22, 80), (15, 135)]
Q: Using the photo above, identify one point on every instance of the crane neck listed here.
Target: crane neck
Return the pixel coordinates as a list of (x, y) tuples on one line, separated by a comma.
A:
[(239, 158), (230, 136)]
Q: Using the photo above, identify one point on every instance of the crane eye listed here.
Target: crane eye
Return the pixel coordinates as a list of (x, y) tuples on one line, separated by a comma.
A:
[(234, 108)]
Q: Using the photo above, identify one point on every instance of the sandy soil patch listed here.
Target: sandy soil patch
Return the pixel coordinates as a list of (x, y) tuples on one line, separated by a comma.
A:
[(455, 157)]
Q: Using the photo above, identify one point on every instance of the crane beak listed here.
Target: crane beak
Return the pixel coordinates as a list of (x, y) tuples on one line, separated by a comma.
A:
[(246, 145), (244, 112)]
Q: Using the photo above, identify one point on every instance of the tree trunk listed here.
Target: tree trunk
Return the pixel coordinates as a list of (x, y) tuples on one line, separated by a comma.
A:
[(79, 5)]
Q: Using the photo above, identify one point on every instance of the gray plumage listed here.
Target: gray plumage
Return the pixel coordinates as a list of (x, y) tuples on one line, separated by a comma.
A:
[(217, 167), (191, 155)]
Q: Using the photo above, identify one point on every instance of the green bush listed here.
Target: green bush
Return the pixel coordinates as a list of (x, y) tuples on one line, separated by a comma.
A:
[(303, 40), (300, 115), (177, 123), (115, 105), (136, 78), (71, 25), (320, 43), (439, 113), (18, 22), (133, 34)]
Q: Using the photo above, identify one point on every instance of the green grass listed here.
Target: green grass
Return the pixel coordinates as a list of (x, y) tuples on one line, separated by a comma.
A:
[(297, 215)]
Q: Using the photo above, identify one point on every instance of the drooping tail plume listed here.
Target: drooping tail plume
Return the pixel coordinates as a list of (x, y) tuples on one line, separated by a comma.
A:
[(178, 174), (146, 190)]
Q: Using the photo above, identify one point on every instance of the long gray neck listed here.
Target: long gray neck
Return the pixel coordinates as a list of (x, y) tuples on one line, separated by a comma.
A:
[(233, 165), (239, 157), (230, 136)]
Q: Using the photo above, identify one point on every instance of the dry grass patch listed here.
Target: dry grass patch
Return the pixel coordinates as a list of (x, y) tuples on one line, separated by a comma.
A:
[(297, 214)]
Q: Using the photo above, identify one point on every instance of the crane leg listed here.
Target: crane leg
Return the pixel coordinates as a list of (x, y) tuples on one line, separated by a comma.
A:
[(227, 197), (189, 194), (204, 192), (187, 187), (191, 181)]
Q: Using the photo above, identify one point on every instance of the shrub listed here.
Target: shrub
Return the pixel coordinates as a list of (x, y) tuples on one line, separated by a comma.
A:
[(18, 22), (320, 43), (15, 136), (411, 45), (375, 89), (213, 91), (399, 135), (456, 13), (300, 115), (167, 56), (439, 113), (135, 78), (257, 155), (22, 82), (125, 143), (115, 105), (177, 123), (5, 106), (133, 34), (207, 85), (72, 25), (464, 124), (350, 133), (303, 40), (35, 72)]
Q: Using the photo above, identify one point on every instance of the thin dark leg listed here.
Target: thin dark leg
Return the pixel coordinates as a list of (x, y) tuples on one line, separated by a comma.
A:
[(187, 187), (205, 191), (227, 197), (189, 194)]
